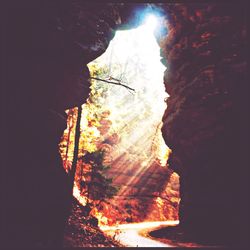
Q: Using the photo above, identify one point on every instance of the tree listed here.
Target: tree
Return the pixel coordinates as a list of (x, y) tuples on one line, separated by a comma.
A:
[(82, 142), (71, 125), (98, 187), (77, 137), (66, 145)]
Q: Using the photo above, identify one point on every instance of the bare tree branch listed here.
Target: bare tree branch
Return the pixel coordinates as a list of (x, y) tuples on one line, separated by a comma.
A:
[(116, 83)]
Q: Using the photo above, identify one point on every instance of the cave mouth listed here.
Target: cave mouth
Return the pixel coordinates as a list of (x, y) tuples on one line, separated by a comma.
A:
[(123, 118)]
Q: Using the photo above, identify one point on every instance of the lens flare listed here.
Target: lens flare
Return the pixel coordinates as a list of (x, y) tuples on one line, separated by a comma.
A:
[(151, 22)]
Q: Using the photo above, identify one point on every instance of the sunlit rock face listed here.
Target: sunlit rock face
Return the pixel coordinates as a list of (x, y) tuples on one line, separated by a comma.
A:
[(205, 54)]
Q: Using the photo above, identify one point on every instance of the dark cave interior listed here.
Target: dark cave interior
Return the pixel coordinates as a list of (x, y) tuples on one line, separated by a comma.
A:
[(47, 48)]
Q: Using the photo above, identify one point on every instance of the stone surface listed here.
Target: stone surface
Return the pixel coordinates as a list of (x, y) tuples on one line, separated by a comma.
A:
[(206, 79), (48, 45)]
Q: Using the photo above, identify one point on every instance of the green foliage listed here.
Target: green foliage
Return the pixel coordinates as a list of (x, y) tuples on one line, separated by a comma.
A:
[(99, 187)]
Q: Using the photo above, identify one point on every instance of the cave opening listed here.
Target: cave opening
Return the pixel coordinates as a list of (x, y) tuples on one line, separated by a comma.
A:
[(123, 118), (48, 46)]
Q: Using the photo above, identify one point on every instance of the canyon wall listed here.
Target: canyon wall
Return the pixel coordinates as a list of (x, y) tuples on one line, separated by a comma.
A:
[(204, 123), (45, 75), (47, 47)]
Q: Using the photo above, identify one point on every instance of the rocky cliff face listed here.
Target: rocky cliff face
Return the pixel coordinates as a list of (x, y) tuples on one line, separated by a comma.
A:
[(206, 78), (48, 45)]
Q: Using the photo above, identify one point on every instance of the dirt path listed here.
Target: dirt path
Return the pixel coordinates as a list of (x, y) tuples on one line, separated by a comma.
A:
[(135, 234)]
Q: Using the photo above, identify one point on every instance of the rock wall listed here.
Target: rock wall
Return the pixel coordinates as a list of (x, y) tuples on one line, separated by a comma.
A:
[(205, 50), (47, 46)]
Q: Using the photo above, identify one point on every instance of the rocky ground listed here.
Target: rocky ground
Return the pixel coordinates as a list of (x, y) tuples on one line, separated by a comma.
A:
[(82, 231)]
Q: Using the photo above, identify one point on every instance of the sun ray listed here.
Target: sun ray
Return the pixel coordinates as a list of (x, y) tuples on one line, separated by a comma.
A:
[(132, 59)]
